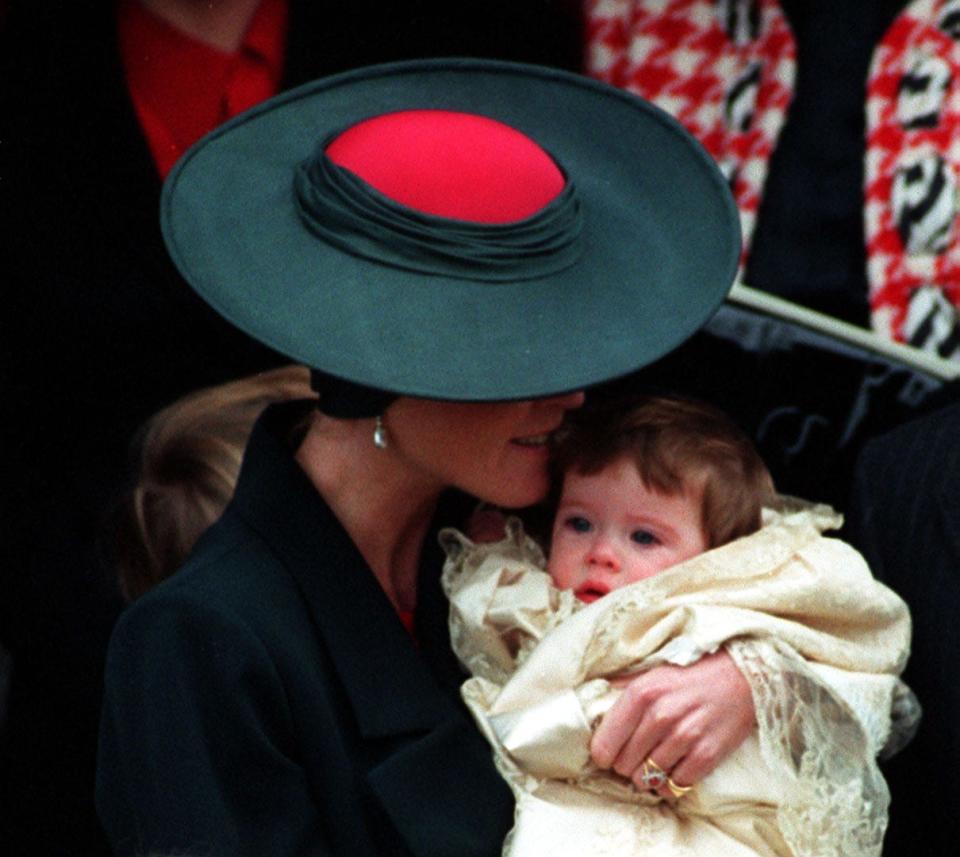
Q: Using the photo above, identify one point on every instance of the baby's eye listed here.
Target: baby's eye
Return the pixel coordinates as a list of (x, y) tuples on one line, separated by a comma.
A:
[(578, 524), (643, 537)]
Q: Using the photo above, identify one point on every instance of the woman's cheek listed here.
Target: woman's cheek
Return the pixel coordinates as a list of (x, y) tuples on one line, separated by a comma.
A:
[(532, 482)]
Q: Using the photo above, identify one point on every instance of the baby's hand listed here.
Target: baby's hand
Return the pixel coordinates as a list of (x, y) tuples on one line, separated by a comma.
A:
[(486, 524)]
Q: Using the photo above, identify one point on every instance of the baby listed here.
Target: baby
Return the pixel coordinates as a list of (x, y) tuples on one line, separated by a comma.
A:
[(668, 481), (669, 543)]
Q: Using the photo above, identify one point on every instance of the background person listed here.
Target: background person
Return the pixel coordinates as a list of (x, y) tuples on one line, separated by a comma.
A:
[(187, 459), (904, 515)]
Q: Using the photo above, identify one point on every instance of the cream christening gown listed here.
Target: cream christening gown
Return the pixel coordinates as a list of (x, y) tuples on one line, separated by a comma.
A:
[(819, 640)]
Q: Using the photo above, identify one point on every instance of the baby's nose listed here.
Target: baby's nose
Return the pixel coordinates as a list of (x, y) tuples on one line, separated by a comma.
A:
[(603, 554)]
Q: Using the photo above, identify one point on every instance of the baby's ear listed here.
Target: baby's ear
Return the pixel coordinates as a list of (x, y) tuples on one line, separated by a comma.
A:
[(487, 524)]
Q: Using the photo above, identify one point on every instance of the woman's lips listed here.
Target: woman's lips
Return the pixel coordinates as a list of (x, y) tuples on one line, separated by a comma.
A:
[(533, 444), (534, 440), (538, 439)]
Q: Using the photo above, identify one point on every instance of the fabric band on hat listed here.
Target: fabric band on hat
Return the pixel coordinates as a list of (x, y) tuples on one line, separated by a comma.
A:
[(490, 205), (465, 215)]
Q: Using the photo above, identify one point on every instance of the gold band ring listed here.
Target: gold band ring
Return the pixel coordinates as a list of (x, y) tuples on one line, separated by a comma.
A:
[(677, 791)]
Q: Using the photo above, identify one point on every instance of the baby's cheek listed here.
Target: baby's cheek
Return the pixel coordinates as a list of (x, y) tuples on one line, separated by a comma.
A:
[(560, 569)]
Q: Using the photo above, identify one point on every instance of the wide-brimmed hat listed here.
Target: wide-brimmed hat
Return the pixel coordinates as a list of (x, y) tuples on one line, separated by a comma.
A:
[(623, 260)]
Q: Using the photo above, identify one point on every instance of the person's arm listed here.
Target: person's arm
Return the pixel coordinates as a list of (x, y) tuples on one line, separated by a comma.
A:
[(197, 749), (687, 719)]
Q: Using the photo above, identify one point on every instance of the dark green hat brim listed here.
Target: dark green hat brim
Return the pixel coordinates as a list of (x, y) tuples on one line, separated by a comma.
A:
[(660, 237)]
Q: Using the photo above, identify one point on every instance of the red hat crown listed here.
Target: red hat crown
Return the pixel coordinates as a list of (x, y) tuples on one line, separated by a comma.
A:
[(450, 164)]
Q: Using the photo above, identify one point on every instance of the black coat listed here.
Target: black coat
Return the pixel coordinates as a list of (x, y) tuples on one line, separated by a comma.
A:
[(904, 516), (267, 699)]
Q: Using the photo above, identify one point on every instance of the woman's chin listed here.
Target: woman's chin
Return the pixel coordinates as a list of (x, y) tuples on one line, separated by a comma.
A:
[(519, 495)]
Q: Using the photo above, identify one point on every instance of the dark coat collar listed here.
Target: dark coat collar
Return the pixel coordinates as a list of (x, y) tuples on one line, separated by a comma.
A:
[(375, 658), (437, 783)]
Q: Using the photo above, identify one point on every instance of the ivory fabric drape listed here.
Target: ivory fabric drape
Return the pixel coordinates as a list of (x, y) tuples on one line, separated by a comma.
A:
[(819, 640)]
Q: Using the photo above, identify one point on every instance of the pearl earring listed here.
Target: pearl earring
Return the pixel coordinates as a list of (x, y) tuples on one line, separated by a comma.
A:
[(379, 434)]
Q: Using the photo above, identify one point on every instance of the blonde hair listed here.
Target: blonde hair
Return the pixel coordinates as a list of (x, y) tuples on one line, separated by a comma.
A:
[(188, 458), (676, 444)]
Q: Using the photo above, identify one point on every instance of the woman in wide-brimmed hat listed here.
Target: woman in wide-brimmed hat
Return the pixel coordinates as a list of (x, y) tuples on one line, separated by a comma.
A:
[(458, 248)]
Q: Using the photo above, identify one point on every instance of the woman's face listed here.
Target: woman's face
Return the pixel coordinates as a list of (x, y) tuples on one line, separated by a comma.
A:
[(495, 451)]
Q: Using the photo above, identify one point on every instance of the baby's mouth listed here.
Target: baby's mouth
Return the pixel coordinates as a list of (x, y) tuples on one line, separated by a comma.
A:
[(590, 593)]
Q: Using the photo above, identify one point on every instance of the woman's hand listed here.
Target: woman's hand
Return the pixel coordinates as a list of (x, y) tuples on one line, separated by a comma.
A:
[(686, 719)]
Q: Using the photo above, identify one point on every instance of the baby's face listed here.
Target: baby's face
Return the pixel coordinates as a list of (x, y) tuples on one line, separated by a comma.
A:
[(611, 530)]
